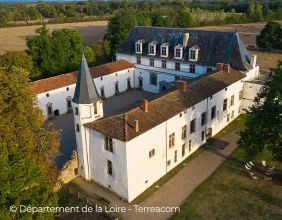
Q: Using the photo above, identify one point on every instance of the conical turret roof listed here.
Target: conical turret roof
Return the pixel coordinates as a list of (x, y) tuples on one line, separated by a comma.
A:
[(85, 89)]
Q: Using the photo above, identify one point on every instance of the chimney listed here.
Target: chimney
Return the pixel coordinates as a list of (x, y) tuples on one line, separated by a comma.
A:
[(227, 68), (181, 85), (185, 39), (253, 61), (144, 105), (219, 66), (136, 125)]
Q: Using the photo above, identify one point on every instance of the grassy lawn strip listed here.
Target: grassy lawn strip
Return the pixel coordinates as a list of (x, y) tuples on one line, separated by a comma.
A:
[(230, 194)]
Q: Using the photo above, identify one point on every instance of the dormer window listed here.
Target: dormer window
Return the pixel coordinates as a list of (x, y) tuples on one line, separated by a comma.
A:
[(138, 46), (152, 48), (178, 52), (164, 50), (194, 53)]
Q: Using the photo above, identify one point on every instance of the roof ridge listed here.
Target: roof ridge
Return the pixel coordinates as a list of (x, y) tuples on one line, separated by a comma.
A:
[(192, 29)]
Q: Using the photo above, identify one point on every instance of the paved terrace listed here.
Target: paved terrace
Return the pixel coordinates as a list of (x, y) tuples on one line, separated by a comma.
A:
[(112, 105)]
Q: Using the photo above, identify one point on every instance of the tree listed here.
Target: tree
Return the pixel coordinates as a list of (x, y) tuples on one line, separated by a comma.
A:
[(270, 37), (90, 55), (21, 124), (40, 49), (55, 53), (23, 183), (264, 120), (19, 59), (118, 29), (184, 19)]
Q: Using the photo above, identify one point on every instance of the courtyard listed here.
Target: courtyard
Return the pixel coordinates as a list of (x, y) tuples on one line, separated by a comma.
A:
[(113, 105)]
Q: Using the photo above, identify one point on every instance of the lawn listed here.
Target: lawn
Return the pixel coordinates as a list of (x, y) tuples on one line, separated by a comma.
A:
[(230, 193)]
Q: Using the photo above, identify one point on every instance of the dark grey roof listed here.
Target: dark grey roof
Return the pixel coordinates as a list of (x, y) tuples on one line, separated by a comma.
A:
[(215, 46), (85, 89)]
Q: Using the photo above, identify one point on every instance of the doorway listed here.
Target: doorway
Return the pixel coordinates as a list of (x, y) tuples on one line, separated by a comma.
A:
[(56, 112)]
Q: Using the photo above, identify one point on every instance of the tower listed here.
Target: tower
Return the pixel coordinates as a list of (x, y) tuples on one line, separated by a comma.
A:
[(88, 107)]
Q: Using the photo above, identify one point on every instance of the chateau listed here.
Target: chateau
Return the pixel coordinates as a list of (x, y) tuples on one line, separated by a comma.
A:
[(140, 116)]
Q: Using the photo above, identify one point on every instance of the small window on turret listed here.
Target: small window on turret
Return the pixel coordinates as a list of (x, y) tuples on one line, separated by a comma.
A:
[(77, 127), (76, 110)]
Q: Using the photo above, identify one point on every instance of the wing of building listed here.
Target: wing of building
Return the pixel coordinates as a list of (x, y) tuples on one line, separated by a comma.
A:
[(139, 117)]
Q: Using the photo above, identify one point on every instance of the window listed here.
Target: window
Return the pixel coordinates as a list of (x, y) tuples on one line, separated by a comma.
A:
[(183, 133), (171, 140), (232, 101), (224, 104), (76, 110), (232, 114), (192, 126), (183, 150), (185, 111), (239, 109), (203, 121), (109, 167), (152, 49), (168, 162), (108, 144), (138, 60), (178, 52), (177, 66), (180, 115), (102, 92), (228, 117), (140, 82), (203, 135), (192, 54), (164, 64), (95, 108), (190, 145), (192, 68), (77, 127), (175, 156), (151, 153), (240, 94), (164, 51), (213, 112), (177, 78), (208, 70), (152, 62), (153, 79), (138, 48)]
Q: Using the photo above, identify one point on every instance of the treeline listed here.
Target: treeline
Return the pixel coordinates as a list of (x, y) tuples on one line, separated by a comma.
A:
[(205, 12)]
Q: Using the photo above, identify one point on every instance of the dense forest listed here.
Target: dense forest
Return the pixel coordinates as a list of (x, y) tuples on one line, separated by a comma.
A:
[(202, 13)]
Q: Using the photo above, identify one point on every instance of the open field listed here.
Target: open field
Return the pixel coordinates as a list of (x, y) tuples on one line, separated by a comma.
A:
[(230, 193), (14, 38), (247, 32)]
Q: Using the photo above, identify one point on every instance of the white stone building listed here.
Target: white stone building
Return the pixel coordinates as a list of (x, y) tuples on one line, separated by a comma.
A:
[(196, 83)]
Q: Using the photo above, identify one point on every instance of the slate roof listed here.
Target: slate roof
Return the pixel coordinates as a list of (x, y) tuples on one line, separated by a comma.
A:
[(215, 46), (121, 126), (85, 89), (56, 82)]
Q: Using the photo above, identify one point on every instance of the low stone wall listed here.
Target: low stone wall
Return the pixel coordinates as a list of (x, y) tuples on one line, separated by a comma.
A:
[(68, 172)]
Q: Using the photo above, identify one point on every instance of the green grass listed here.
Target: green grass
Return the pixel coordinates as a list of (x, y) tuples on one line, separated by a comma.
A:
[(229, 193)]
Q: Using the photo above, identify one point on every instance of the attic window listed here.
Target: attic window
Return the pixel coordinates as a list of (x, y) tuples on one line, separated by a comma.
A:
[(138, 46), (194, 53), (164, 50), (152, 48), (178, 52)]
